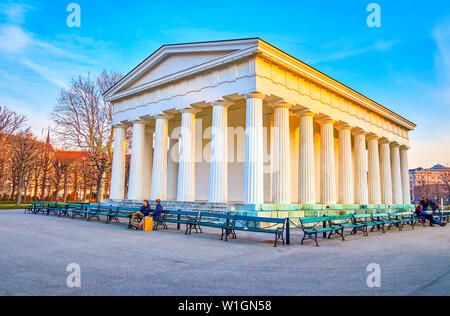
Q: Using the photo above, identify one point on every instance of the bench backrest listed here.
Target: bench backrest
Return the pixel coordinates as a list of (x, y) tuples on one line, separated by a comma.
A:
[(182, 213), (259, 219), (310, 220), (381, 215)]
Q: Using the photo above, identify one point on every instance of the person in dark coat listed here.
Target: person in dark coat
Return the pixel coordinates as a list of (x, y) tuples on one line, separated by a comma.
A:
[(158, 211), (143, 212), (424, 203)]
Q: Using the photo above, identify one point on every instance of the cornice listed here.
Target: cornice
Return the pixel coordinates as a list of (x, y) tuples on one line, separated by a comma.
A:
[(265, 50)]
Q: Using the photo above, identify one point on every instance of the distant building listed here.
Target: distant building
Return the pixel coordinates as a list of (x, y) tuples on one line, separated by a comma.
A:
[(433, 183)]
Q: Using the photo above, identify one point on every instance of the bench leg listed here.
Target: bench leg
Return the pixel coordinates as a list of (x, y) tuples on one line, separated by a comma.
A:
[(303, 240), (315, 239), (276, 240)]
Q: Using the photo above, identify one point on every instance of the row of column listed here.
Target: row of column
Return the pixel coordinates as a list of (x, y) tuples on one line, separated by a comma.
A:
[(387, 181)]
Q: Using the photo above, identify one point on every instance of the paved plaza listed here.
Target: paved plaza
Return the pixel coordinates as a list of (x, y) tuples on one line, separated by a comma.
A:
[(35, 251)]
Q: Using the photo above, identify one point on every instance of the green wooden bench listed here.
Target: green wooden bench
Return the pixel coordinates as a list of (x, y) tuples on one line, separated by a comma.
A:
[(442, 216), (314, 226), (178, 217), (348, 222), (266, 225), (407, 218), (227, 223), (381, 220)]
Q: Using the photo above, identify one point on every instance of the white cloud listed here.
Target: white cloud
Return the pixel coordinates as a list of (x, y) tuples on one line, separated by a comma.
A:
[(13, 39), (14, 12), (335, 52), (441, 35), (45, 73)]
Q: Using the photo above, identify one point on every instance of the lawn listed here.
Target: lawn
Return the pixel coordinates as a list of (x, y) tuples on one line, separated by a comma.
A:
[(12, 207)]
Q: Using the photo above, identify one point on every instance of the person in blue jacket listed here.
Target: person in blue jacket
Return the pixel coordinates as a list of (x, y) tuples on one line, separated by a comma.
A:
[(421, 213)]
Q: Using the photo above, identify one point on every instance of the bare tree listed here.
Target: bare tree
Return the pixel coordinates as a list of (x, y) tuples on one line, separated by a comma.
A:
[(83, 119), (445, 180), (60, 170), (10, 123), (24, 151)]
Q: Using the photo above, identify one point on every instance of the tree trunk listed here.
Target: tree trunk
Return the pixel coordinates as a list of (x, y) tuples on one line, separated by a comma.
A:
[(101, 188), (19, 195)]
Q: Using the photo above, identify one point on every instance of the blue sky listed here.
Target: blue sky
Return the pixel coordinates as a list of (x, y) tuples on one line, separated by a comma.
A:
[(404, 64)]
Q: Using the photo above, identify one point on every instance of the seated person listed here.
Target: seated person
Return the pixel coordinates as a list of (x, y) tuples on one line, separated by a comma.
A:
[(143, 212), (434, 206), (158, 211), (424, 204), (156, 214), (421, 213)]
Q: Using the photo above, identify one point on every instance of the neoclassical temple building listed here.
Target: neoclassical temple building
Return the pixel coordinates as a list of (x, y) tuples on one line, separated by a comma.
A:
[(240, 121)]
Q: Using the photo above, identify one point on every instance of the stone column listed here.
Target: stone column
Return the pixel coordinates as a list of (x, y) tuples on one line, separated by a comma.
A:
[(172, 169), (281, 155), (374, 171), (406, 186), (254, 164), (361, 185), (136, 185), (397, 190), (148, 162), (346, 179), (385, 171), (307, 181), (186, 169), (117, 189), (159, 175), (327, 173), (218, 179)]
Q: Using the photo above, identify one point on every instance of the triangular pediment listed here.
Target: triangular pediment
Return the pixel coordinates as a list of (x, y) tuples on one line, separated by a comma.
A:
[(172, 60), (173, 64)]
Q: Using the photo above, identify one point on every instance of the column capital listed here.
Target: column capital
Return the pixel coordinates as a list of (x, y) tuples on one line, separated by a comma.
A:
[(224, 103), (280, 104), (327, 120), (255, 95), (305, 112), (343, 126), (395, 145), (139, 121), (162, 116), (405, 147), (384, 140), (372, 136), (358, 131), (191, 110), (120, 125)]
